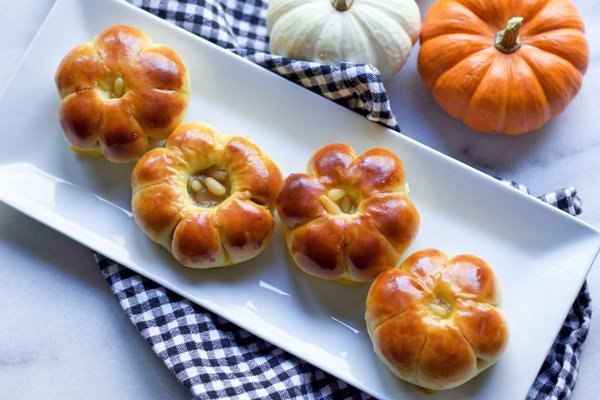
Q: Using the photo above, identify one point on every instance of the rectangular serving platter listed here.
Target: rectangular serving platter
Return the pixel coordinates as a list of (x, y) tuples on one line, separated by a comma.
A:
[(540, 254)]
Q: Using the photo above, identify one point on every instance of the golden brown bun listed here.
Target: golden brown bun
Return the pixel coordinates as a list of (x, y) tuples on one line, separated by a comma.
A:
[(359, 242), (434, 321), (120, 92), (201, 229)]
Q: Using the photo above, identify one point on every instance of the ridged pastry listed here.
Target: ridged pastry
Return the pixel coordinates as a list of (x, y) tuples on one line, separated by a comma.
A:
[(349, 218), (434, 321), (120, 93), (207, 197)]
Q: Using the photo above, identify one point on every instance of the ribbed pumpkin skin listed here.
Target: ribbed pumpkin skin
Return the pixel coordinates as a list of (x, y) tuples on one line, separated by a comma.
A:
[(495, 92), (377, 32)]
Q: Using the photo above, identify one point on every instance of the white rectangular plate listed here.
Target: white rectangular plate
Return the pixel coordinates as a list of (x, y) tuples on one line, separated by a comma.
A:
[(540, 254)]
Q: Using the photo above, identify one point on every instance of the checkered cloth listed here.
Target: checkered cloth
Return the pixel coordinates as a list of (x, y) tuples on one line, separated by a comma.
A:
[(216, 359)]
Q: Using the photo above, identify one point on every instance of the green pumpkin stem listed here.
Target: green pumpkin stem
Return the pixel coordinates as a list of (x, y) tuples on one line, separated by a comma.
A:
[(342, 5), (508, 40)]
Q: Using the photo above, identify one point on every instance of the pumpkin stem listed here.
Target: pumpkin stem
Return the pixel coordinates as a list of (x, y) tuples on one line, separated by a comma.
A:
[(342, 5), (508, 40)]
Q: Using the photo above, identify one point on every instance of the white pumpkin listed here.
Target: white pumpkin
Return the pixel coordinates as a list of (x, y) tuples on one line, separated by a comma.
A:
[(377, 32)]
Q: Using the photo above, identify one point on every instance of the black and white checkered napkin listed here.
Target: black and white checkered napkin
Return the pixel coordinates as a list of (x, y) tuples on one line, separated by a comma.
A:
[(216, 359)]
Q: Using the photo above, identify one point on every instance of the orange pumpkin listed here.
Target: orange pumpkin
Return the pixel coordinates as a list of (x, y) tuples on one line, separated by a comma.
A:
[(503, 66)]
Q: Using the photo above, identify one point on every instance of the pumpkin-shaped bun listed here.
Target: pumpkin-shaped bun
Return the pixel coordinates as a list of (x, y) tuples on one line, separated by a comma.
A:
[(207, 197), (120, 93), (349, 218), (503, 66), (434, 321)]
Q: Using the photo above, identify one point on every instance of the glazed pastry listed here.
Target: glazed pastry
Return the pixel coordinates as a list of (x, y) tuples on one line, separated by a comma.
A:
[(349, 218), (120, 93), (435, 321), (206, 197)]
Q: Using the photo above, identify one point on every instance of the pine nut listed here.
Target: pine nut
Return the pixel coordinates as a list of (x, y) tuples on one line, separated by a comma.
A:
[(214, 186), (330, 205), (336, 194), (346, 204), (439, 310), (219, 175), (196, 184), (119, 87)]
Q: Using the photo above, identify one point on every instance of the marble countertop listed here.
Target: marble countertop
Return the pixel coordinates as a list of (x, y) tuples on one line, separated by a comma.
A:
[(62, 332)]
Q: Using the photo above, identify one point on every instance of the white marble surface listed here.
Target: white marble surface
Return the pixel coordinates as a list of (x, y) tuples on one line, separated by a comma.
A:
[(62, 332)]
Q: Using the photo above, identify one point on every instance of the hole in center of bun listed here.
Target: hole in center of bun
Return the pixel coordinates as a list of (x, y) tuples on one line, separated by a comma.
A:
[(209, 187), (440, 307), (340, 201), (441, 303), (111, 88)]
